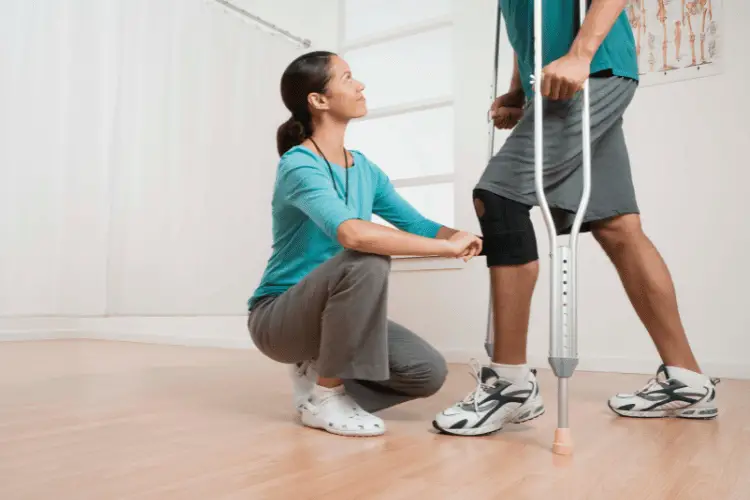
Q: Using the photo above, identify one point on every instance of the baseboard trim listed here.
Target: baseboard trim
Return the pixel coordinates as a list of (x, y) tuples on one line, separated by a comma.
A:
[(458, 356), (613, 365), (183, 341), (29, 335)]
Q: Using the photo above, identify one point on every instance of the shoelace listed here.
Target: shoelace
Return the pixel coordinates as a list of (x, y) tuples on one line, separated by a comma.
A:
[(653, 383), (476, 372)]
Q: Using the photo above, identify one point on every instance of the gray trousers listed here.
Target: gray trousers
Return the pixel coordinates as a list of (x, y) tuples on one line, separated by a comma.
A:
[(337, 316)]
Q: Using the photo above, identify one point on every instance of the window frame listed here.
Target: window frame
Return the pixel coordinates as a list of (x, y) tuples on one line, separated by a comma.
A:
[(415, 263)]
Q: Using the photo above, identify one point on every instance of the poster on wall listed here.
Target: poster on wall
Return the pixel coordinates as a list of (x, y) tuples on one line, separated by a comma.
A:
[(676, 39)]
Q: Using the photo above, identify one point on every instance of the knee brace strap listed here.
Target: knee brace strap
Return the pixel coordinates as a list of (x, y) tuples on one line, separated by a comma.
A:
[(507, 230)]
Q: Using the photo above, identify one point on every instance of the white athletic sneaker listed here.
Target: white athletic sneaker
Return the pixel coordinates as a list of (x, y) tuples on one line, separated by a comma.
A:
[(664, 396), (304, 377), (492, 404), (336, 412)]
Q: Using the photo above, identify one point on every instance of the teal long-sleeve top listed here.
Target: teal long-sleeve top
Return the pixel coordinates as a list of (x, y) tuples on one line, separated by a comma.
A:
[(307, 209)]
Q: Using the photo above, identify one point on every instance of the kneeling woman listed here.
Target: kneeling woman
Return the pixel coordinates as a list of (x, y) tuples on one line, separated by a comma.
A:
[(321, 305)]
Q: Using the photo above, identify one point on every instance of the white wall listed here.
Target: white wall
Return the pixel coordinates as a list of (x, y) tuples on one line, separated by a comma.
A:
[(137, 145), (682, 161)]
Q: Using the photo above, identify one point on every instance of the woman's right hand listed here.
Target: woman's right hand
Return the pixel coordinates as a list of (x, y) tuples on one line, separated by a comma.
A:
[(463, 245)]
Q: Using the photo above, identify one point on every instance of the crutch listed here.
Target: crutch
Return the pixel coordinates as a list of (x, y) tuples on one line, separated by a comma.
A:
[(490, 338), (563, 341)]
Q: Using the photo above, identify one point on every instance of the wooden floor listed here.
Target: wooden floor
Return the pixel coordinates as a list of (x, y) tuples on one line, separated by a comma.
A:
[(106, 420)]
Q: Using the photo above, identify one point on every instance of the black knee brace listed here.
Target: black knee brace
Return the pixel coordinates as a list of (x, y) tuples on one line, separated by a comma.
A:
[(507, 230)]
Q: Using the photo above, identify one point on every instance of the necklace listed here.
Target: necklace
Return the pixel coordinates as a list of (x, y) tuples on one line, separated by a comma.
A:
[(330, 171)]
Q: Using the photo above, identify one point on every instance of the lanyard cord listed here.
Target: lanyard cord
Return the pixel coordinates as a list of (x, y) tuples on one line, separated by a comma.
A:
[(330, 171)]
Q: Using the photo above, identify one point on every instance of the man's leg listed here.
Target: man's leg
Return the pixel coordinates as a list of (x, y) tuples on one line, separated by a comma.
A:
[(680, 389), (417, 370), (512, 288), (513, 262), (649, 286), (507, 390)]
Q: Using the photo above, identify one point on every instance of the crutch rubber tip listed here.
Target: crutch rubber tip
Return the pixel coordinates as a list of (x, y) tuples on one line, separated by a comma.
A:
[(563, 444)]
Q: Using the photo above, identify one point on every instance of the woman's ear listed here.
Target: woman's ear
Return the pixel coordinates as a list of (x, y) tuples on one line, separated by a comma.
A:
[(318, 101)]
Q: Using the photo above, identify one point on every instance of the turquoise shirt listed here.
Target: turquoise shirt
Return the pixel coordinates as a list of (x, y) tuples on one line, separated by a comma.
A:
[(616, 53), (307, 211)]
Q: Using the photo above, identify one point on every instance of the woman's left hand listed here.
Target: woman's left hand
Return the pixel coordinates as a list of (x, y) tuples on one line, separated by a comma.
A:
[(472, 250)]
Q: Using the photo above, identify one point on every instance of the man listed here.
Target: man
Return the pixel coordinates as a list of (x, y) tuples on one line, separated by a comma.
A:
[(603, 51)]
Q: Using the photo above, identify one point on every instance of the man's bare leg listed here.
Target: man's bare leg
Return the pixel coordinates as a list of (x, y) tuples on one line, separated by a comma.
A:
[(508, 391), (649, 286), (512, 288)]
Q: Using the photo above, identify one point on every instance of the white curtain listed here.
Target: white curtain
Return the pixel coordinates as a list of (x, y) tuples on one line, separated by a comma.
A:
[(137, 156), (57, 81)]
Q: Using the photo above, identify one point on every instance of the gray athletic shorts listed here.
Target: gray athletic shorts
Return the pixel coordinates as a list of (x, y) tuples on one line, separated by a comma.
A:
[(510, 173)]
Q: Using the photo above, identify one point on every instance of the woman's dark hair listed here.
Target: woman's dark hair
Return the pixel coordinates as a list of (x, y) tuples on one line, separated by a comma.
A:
[(307, 74)]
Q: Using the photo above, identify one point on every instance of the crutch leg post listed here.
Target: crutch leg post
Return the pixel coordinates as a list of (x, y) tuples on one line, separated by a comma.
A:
[(489, 342), (563, 345), (563, 340)]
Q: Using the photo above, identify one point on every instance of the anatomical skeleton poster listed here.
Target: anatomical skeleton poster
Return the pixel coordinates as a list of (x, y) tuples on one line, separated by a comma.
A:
[(676, 39)]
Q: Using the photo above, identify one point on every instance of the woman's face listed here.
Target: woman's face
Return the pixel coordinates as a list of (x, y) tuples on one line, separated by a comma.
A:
[(344, 97)]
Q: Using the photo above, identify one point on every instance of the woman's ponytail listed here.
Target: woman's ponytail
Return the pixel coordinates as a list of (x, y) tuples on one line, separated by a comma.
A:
[(291, 133)]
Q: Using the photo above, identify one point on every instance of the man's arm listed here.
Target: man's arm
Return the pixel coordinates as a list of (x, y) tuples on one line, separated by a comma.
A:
[(598, 22), (564, 77), (507, 109), (515, 81)]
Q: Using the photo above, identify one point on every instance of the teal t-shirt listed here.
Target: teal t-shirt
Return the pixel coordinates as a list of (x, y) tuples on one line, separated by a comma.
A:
[(307, 210), (616, 53)]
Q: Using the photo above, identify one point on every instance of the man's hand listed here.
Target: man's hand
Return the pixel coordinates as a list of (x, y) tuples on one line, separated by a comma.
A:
[(564, 77), (507, 109), (561, 79)]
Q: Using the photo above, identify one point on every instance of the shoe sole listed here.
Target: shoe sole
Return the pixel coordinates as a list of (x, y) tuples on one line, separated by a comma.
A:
[(689, 413), (525, 416)]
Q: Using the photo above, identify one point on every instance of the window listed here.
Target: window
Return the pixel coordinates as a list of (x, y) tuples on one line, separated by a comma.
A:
[(406, 62), (365, 18)]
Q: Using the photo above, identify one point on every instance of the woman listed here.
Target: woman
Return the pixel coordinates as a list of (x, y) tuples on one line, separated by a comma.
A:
[(321, 304)]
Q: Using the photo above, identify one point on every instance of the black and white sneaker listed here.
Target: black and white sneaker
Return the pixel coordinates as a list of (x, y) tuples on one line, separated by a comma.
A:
[(493, 403), (664, 396)]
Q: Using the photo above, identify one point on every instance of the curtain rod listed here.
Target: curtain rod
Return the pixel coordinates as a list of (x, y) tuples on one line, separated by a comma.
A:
[(302, 41)]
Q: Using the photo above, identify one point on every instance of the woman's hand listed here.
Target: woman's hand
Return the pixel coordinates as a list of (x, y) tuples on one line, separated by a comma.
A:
[(462, 245)]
